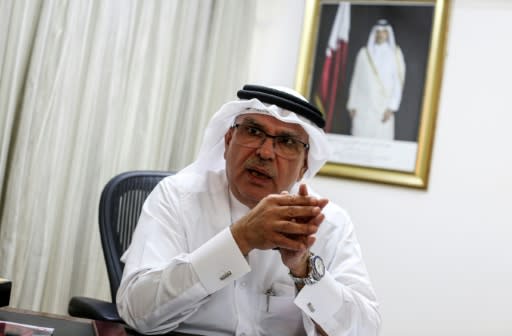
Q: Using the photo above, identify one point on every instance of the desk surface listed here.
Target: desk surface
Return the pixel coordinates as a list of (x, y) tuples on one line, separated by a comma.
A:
[(62, 325), (66, 325)]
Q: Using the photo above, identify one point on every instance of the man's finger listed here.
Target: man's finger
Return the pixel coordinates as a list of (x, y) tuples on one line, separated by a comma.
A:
[(293, 228), (303, 190), (299, 211), (296, 200)]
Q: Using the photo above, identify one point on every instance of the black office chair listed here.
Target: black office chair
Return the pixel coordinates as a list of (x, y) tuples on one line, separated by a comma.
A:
[(120, 206)]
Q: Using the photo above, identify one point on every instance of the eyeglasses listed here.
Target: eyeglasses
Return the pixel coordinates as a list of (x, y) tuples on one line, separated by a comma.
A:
[(288, 147)]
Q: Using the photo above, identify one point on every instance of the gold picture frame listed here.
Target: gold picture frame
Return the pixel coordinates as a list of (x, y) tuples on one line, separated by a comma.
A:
[(421, 36)]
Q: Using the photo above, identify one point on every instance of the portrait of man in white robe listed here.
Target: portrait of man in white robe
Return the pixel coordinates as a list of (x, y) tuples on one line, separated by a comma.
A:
[(377, 84)]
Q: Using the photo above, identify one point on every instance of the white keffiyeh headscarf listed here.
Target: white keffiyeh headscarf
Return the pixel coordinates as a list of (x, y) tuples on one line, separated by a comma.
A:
[(211, 154), (384, 56)]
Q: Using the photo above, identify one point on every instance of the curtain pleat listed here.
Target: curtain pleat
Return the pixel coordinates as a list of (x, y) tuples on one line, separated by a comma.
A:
[(88, 89)]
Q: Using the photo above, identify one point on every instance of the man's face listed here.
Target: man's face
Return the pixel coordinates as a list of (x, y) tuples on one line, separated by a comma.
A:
[(254, 173), (381, 36)]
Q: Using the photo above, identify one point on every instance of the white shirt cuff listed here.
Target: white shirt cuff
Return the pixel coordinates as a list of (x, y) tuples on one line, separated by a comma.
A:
[(219, 261), (321, 301)]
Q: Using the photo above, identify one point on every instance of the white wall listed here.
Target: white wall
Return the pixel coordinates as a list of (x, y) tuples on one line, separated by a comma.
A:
[(441, 259)]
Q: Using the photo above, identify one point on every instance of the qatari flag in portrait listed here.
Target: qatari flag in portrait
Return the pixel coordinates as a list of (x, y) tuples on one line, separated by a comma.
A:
[(333, 70)]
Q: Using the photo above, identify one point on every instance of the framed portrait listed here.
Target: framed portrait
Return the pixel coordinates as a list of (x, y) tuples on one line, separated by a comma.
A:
[(374, 69)]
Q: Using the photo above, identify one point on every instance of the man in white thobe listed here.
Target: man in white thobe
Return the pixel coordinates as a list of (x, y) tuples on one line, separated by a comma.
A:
[(236, 244), (377, 83)]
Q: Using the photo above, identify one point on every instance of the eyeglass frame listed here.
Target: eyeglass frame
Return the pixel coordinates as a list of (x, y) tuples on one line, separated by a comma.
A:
[(273, 137)]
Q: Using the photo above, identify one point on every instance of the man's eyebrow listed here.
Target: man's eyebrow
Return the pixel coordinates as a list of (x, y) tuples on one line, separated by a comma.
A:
[(286, 133), (251, 122)]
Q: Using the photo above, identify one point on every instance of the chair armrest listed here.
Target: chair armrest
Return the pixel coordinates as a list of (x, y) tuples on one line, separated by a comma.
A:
[(93, 309)]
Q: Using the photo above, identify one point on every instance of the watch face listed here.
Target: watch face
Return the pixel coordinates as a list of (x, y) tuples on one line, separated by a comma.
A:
[(319, 266)]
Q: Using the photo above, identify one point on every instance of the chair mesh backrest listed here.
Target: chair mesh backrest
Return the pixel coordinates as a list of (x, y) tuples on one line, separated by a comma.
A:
[(120, 206)]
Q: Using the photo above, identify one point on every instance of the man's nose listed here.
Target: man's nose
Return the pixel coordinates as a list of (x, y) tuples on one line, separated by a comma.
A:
[(266, 149)]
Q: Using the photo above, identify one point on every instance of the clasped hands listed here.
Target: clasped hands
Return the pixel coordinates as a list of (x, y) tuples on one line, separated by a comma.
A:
[(284, 221)]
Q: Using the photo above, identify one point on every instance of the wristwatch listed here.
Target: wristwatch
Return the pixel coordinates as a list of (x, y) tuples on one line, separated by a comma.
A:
[(316, 271)]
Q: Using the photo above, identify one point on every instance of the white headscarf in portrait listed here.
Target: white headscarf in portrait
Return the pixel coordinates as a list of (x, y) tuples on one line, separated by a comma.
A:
[(211, 153), (382, 24), (384, 56)]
